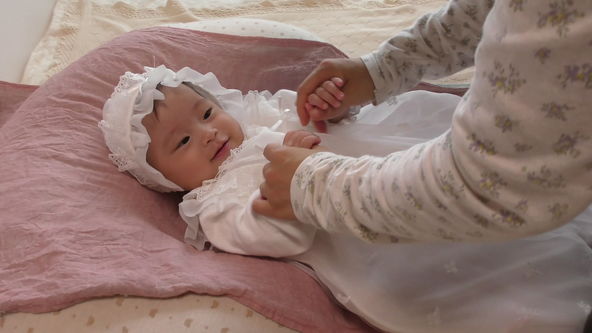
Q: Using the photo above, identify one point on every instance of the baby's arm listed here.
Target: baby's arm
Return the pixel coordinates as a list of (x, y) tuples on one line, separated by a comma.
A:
[(226, 219), (237, 229)]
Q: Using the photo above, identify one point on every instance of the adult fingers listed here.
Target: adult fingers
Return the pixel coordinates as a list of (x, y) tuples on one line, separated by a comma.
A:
[(262, 207), (272, 152)]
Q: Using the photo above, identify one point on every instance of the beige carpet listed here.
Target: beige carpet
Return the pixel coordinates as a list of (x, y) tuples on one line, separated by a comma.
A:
[(354, 26)]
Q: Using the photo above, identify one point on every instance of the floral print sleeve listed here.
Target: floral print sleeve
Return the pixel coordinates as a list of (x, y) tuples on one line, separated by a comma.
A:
[(518, 157), (437, 45)]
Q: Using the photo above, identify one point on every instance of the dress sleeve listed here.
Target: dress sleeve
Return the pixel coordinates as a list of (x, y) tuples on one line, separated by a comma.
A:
[(437, 45), (518, 157), (236, 229)]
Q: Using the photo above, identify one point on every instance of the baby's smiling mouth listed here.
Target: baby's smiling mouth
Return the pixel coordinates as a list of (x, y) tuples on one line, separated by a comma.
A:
[(222, 150)]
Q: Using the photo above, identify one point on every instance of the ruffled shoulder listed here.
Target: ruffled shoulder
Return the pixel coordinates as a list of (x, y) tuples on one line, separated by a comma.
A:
[(238, 177)]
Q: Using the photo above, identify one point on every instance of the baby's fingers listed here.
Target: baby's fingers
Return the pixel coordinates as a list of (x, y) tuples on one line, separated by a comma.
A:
[(334, 87), (316, 100), (302, 139), (310, 141), (327, 96)]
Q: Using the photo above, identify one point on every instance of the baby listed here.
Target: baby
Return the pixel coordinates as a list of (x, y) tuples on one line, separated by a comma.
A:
[(183, 131)]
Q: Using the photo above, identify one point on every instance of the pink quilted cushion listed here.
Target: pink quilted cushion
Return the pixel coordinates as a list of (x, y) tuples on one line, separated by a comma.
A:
[(74, 228)]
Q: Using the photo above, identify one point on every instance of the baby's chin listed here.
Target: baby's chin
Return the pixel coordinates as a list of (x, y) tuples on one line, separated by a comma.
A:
[(225, 155)]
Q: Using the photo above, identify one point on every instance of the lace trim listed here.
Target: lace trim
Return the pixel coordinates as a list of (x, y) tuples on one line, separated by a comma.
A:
[(127, 80), (208, 188)]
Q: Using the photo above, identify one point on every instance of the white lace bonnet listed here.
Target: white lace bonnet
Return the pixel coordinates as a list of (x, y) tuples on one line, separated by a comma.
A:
[(133, 99)]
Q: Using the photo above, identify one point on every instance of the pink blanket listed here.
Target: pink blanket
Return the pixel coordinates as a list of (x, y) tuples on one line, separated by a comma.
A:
[(74, 228)]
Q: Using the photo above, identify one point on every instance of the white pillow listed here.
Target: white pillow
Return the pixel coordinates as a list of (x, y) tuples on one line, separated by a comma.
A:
[(249, 27)]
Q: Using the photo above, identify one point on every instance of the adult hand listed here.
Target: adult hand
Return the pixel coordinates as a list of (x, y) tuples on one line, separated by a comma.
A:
[(275, 191), (358, 88)]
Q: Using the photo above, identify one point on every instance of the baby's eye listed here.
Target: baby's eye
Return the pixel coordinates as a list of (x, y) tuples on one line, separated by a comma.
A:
[(208, 113), (184, 141)]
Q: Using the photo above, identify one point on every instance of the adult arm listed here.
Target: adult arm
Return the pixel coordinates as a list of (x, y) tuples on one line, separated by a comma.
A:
[(518, 158), (437, 45)]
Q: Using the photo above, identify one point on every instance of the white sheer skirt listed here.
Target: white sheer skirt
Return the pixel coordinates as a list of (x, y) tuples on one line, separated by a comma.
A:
[(536, 284)]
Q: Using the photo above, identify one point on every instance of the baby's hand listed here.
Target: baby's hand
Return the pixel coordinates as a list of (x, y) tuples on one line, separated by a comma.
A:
[(302, 139), (327, 94)]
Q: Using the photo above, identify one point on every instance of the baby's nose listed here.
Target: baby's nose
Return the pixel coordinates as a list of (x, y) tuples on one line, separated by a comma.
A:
[(209, 134)]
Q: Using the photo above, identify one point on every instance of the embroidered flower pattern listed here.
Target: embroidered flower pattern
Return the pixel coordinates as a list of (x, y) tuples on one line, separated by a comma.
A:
[(491, 182), (517, 5), (558, 210), (419, 152), (560, 15), (542, 54), (481, 146), (366, 233), (411, 45), (522, 147), (440, 205), (448, 187), (545, 178), (522, 206), (472, 12), (414, 202), (505, 81), (566, 145), (509, 217), (410, 217), (481, 221), (555, 111), (577, 73), (504, 123)]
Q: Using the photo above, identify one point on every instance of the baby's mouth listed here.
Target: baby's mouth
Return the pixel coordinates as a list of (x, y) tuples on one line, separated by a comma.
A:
[(222, 151)]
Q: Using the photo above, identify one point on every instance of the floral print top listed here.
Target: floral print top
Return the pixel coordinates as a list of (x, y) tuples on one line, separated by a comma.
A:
[(518, 157)]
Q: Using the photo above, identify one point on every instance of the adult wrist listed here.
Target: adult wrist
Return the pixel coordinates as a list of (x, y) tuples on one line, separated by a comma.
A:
[(301, 181), (380, 92)]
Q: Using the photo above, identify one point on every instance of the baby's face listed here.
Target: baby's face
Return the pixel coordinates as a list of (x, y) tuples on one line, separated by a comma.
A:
[(190, 137)]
